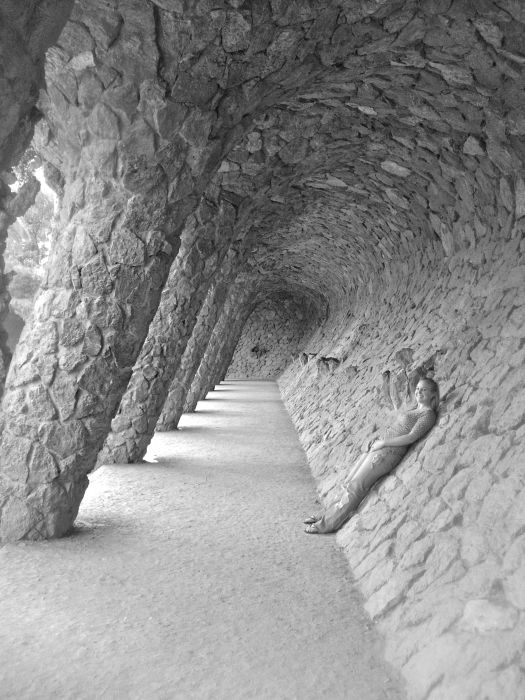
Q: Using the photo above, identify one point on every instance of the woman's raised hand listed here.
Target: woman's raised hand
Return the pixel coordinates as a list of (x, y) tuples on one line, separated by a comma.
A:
[(377, 445)]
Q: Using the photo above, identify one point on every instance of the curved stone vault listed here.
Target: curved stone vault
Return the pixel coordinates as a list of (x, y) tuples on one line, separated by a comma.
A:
[(352, 168)]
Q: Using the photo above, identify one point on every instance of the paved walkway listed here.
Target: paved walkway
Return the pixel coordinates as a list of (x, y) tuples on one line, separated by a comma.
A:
[(191, 577)]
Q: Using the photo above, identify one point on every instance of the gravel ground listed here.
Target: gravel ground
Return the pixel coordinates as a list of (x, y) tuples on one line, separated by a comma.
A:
[(189, 576)]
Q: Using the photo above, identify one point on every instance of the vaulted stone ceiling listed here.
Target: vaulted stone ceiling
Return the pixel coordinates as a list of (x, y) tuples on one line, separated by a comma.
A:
[(309, 146), (357, 165), (380, 112)]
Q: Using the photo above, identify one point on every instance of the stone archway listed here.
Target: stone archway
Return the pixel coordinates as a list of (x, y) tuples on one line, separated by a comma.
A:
[(372, 154), (136, 131)]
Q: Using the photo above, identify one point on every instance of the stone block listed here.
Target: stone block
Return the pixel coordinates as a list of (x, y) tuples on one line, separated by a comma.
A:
[(407, 534), (443, 558), (377, 577), (72, 332), (520, 197), (140, 425), (474, 545), (126, 249), (103, 122), (42, 467), (416, 554), (426, 668), (95, 277), (63, 392), (39, 401), (61, 439), (472, 147), (481, 580), (71, 358), (507, 683), (485, 616), (93, 341), (514, 517), (236, 32), (97, 377), (393, 592), (426, 620), (369, 557), (514, 588), (14, 457), (16, 519)]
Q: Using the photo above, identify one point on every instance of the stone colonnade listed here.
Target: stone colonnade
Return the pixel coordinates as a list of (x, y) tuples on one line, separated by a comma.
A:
[(224, 338), (373, 153), (136, 144), (205, 243), (209, 316)]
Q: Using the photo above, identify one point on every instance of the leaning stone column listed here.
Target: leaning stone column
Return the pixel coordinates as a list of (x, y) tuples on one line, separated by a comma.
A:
[(225, 334), (136, 165), (224, 355), (25, 35), (208, 317), (138, 120), (203, 247)]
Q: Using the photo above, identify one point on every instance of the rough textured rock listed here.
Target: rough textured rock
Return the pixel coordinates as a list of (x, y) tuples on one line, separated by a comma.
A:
[(224, 338), (376, 152), (274, 333), (437, 547), (136, 132), (209, 315), (25, 35), (205, 241)]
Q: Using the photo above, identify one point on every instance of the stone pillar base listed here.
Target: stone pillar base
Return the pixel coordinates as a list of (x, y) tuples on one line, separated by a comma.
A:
[(48, 512)]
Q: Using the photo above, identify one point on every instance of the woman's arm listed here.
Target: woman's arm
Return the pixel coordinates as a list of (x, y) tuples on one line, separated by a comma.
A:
[(390, 390), (400, 441), (421, 427)]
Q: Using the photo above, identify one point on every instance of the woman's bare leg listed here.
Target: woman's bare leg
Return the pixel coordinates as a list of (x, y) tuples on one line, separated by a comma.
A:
[(355, 490), (356, 467)]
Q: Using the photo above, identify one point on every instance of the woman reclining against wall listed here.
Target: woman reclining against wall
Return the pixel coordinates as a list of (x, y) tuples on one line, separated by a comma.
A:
[(383, 455)]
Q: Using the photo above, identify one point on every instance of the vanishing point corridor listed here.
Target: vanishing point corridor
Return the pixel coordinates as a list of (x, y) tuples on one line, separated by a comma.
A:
[(189, 576)]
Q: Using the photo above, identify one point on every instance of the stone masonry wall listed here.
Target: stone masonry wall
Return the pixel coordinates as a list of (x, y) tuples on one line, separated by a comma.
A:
[(377, 152), (273, 334), (438, 548)]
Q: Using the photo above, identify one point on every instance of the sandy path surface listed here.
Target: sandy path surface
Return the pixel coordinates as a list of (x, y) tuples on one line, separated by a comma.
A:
[(192, 578)]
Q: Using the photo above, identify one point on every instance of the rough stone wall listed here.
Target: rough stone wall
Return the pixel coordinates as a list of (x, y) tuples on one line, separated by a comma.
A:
[(379, 145), (273, 334), (438, 548)]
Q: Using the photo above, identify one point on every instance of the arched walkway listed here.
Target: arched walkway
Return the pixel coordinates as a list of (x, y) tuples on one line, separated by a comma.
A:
[(190, 577)]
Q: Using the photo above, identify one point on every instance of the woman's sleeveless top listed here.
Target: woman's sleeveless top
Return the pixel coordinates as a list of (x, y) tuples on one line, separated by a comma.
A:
[(418, 420)]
